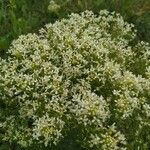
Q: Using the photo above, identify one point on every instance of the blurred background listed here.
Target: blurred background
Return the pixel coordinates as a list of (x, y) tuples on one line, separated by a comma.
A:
[(23, 16)]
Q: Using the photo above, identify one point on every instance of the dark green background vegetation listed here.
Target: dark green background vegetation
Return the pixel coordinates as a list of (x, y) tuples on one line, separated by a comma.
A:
[(22, 16)]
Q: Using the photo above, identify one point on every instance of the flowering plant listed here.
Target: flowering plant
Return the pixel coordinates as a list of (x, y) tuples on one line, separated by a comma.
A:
[(81, 83)]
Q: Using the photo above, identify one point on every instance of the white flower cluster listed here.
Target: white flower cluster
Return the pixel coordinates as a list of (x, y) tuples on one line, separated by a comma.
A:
[(49, 128), (81, 77)]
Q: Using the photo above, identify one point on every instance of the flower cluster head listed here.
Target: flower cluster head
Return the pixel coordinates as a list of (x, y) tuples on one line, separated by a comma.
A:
[(53, 7), (82, 82)]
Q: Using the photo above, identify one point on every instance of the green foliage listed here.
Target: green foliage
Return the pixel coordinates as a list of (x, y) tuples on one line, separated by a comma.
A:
[(20, 17), (78, 84)]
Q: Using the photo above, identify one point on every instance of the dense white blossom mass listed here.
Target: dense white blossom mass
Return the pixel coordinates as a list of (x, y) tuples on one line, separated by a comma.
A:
[(84, 78)]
